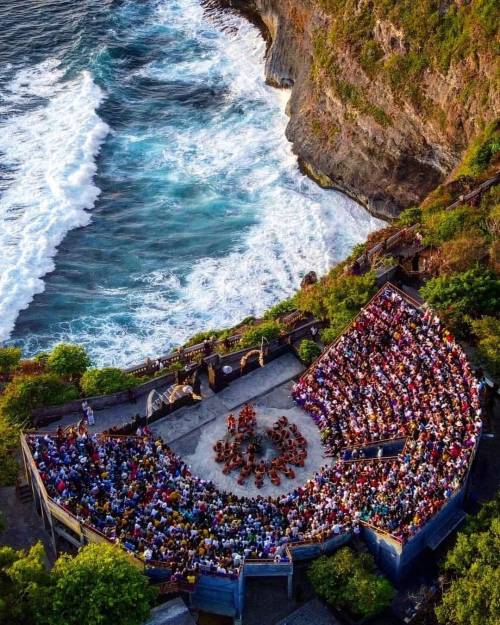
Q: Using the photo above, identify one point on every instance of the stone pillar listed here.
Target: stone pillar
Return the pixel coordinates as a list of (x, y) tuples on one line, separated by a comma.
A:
[(215, 374)]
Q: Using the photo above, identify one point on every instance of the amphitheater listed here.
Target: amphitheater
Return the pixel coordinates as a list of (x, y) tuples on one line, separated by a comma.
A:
[(390, 413)]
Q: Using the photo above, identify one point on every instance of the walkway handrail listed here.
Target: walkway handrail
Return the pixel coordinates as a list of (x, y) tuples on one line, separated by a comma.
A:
[(184, 354), (351, 460), (373, 443), (386, 244), (477, 191)]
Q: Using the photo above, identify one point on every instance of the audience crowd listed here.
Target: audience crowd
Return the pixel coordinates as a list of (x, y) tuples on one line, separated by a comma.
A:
[(395, 372), (394, 368)]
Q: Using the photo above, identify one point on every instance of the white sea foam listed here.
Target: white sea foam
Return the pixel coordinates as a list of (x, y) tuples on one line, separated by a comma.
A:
[(299, 227), (50, 151)]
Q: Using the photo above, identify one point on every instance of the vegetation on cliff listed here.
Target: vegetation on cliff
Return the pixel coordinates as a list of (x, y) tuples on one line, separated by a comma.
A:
[(418, 37)]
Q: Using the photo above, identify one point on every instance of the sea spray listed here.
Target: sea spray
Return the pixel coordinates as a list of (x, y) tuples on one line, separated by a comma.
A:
[(50, 152), (204, 217)]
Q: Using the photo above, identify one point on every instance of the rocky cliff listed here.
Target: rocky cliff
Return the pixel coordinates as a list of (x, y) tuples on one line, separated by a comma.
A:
[(385, 95)]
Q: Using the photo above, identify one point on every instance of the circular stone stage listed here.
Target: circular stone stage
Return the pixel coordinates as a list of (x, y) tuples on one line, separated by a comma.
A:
[(203, 464)]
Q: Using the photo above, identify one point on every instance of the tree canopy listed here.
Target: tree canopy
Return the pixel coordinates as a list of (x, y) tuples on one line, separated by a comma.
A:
[(460, 296), (23, 578), (348, 582), (68, 360), (26, 392), (105, 381), (99, 586), (472, 568)]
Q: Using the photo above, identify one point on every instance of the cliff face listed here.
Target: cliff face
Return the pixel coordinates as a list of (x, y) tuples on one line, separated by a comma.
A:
[(378, 108)]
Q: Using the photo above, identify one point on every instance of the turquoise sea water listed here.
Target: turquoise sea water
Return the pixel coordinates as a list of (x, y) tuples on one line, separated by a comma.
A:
[(147, 190)]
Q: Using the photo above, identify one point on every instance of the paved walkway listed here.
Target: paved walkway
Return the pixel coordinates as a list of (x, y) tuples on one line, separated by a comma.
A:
[(182, 421), (119, 414), (245, 389)]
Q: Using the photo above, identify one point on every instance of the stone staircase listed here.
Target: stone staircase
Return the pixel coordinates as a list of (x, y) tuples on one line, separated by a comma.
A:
[(24, 492)]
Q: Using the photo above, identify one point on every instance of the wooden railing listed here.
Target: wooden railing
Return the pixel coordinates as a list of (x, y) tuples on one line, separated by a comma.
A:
[(293, 317), (195, 352), (475, 192), (185, 356), (385, 246)]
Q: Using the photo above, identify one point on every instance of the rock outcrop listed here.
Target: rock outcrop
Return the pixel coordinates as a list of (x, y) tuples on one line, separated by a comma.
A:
[(357, 121)]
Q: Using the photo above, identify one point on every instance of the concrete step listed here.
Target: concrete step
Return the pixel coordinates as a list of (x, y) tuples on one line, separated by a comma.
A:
[(24, 493)]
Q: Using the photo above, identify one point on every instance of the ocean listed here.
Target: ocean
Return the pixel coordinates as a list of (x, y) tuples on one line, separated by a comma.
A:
[(147, 190)]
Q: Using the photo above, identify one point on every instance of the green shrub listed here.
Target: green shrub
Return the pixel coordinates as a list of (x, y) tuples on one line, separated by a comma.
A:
[(443, 226), (329, 335), (24, 393), (106, 381), (172, 368), (459, 296), (487, 332), (481, 152), (410, 216), (9, 359), (357, 251), (463, 252), (281, 308), (68, 360), (339, 321), (348, 296), (337, 297), (199, 337), (41, 358), (348, 582), (268, 330), (308, 351)]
